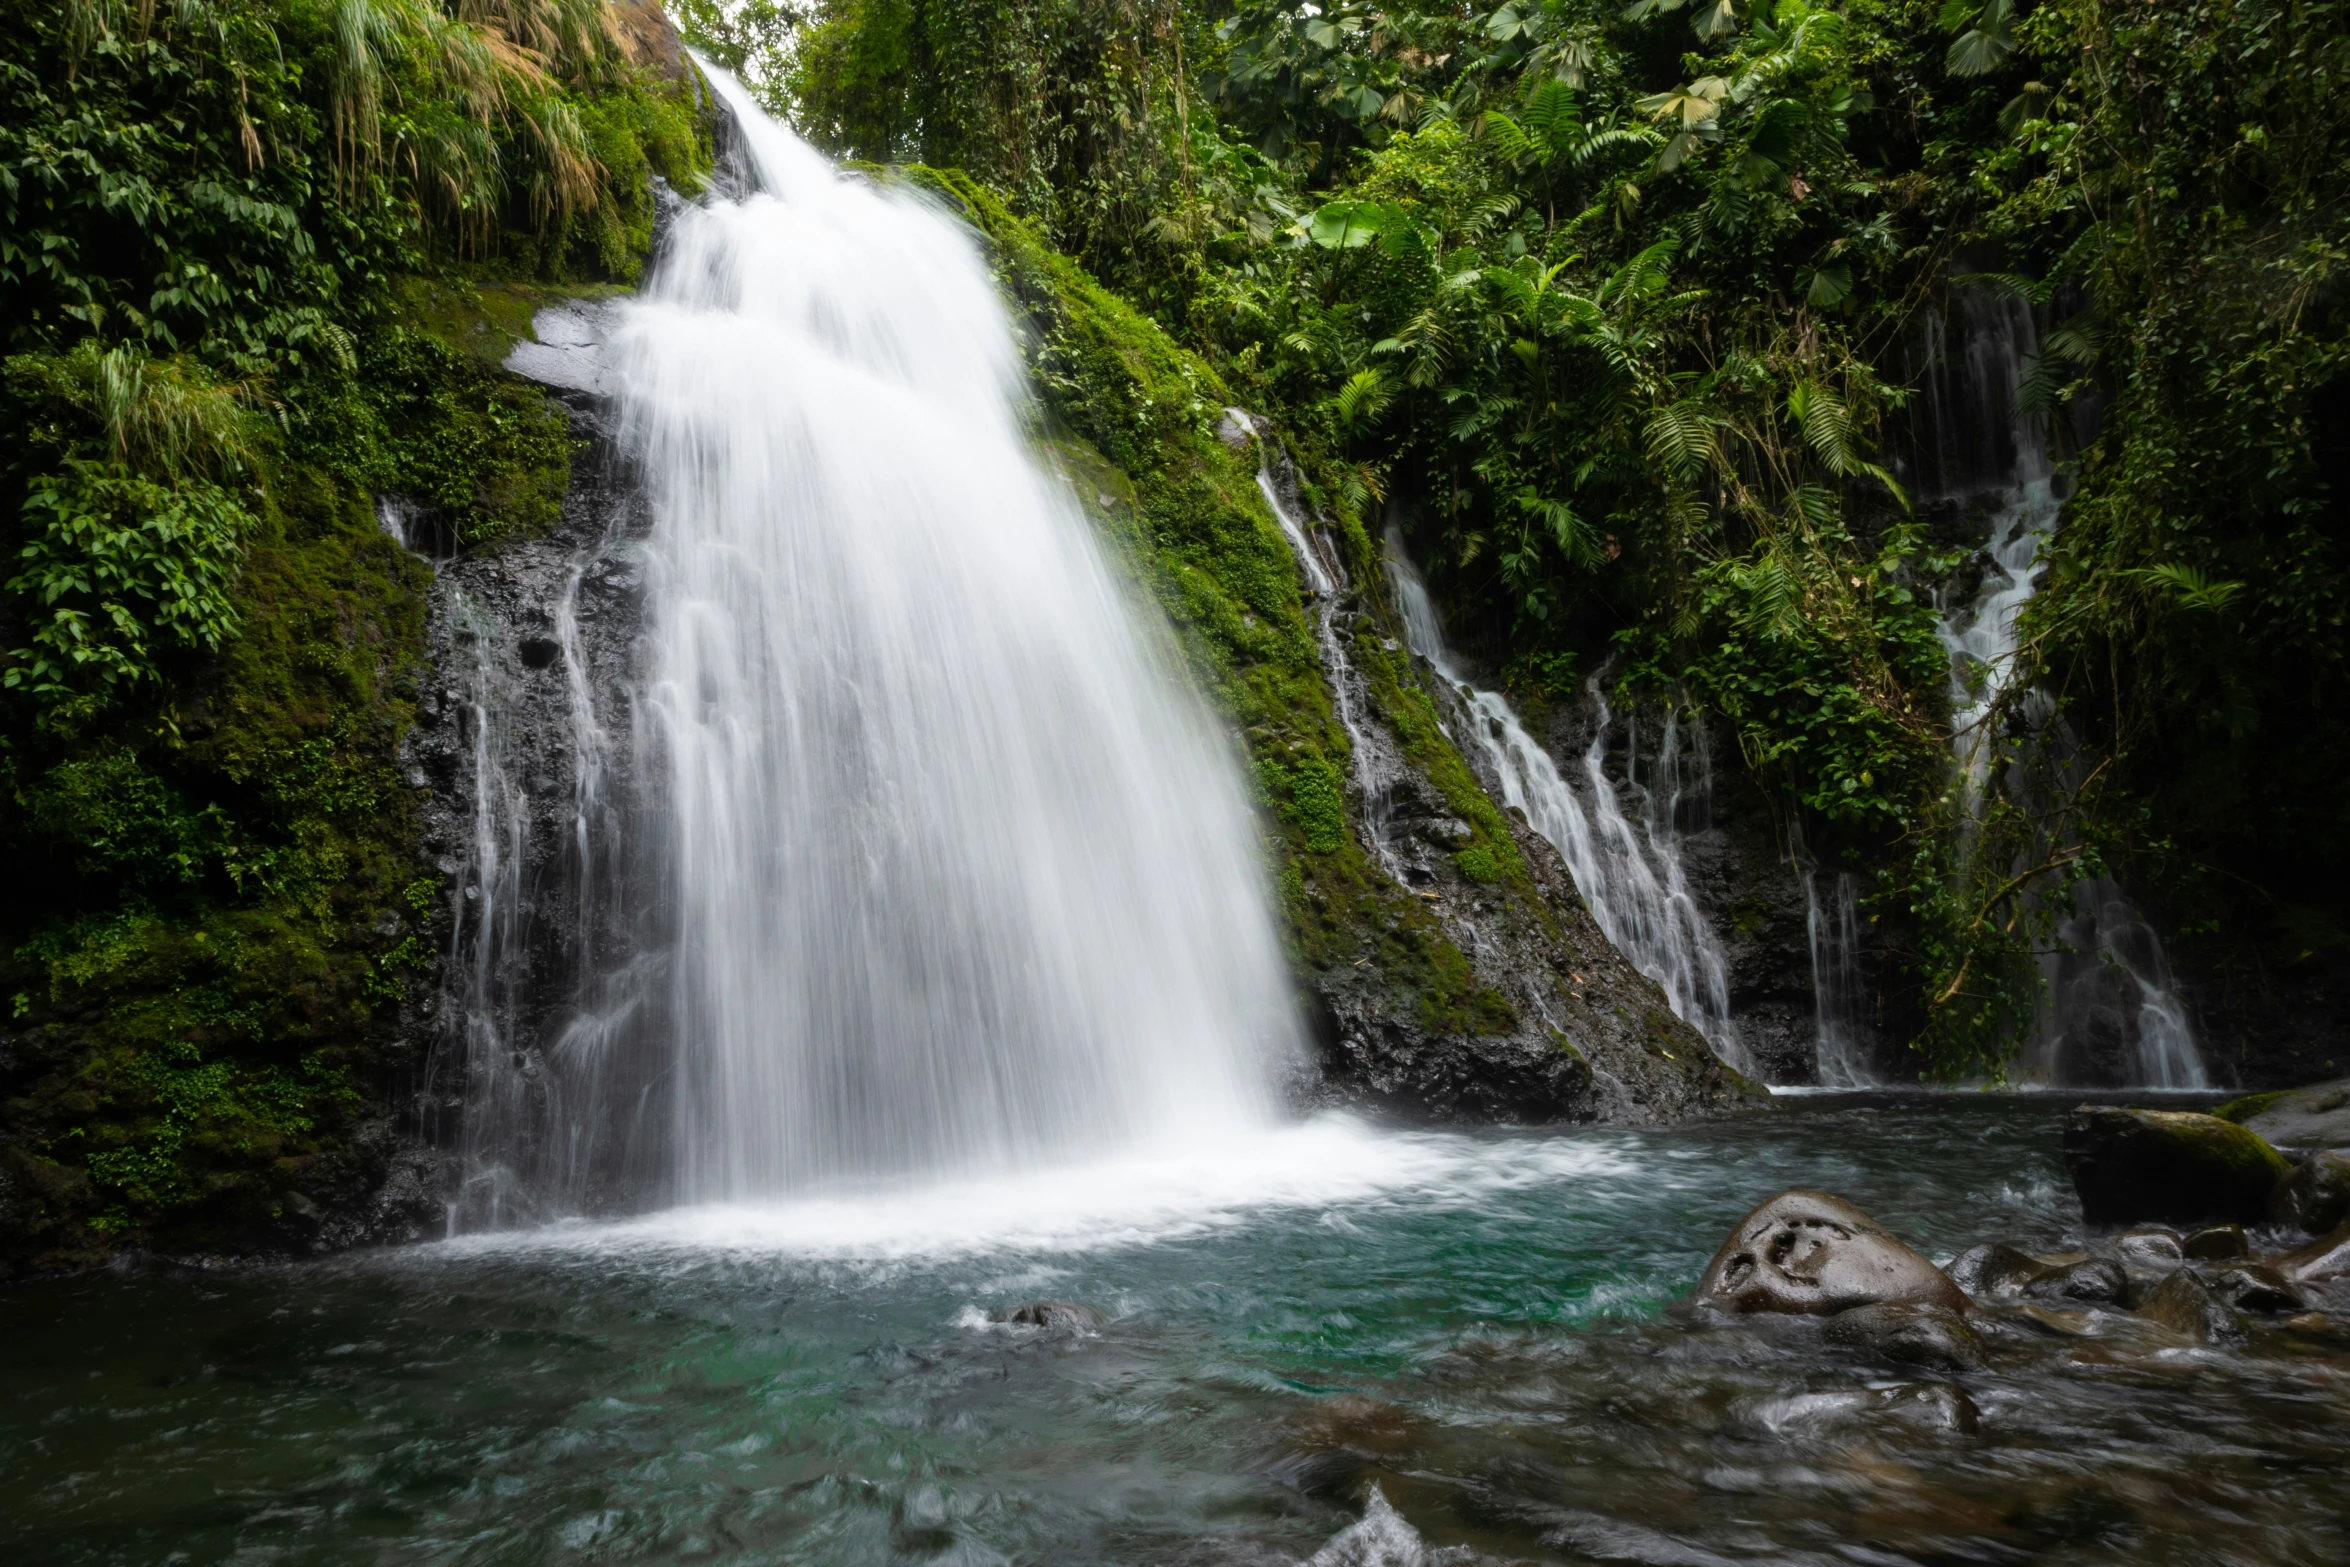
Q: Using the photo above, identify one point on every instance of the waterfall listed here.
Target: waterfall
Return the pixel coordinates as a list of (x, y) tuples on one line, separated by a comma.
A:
[(1831, 924), (1630, 878), (2107, 983), (951, 871), (1375, 765)]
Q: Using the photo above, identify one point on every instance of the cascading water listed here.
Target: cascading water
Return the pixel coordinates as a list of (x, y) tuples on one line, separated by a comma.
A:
[(1375, 765), (954, 873), (2108, 985), (1631, 879), (1831, 927)]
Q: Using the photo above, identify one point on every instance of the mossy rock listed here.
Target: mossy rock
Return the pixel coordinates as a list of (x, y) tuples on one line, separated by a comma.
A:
[(2317, 1116), (2168, 1166)]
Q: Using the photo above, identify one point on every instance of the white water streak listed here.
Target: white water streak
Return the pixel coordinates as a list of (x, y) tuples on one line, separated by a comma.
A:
[(2110, 976)]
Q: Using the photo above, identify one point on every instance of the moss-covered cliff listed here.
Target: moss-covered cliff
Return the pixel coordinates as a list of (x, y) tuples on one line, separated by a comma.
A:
[(250, 283)]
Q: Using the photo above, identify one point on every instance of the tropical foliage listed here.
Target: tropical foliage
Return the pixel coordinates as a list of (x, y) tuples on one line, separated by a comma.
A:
[(1616, 310), (212, 217)]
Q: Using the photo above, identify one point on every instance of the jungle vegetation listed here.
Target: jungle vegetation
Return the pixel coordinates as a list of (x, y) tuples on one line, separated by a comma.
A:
[(1617, 309), (243, 248), (1614, 309)]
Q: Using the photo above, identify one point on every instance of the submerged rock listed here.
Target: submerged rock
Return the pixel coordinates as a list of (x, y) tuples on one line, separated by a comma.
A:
[(2150, 1248), (2255, 1286), (2316, 1196), (2176, 1166), (1808, 1252), (1909, 1333), (2091, 1281), (2320, 1260), (1064, 1315), (2186, 1305), (1995, 1271)]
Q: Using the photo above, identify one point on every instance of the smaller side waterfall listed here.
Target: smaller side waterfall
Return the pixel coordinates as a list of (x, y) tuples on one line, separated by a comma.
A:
[(2109, 987), (1376, 767), (488, 916), (1630, 877), (1839, 991)]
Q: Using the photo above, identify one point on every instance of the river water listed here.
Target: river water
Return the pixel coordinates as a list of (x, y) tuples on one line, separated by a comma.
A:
[(1480, 1328)]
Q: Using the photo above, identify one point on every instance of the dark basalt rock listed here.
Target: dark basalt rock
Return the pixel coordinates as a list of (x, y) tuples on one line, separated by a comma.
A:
[(2315, 1197), (1808, 1252), (1909, 1334), (2255, 1286), (2186, 1305), (2216, 1244), (2092, 1281), (1060, 1315), (2167, 1165), (1994, 1271)]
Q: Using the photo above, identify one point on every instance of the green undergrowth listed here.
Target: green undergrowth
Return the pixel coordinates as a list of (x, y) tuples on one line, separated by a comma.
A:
[(1135, 418), (259, 263), (218, 874)]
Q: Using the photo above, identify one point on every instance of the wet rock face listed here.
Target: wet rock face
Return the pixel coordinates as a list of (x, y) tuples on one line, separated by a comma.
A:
[(2186, 1305), (535, 648), (1910, 1334), (2320, 1261), (2315, 1197), (1811, 1253), (1738, 874), (2168, 1166)]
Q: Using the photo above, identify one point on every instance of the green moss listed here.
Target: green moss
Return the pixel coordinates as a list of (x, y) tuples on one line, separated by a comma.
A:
[(217, 902), (489, 452), (2221, 1149), (2241, 1110)]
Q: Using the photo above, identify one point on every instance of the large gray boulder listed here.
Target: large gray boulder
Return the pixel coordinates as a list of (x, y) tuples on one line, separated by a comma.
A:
[(2317, 1116), (2168, 1166), (1810, 1253)]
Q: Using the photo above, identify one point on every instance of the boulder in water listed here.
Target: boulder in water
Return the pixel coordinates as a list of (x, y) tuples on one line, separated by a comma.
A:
[(1808, 1252), (1908, 1333), (1995, 1271), (2219, 1243), (2316, 1196), (2317, 1116), (1064, 1315), (2255, 1286), (2150, 1247), (2185, 1304), (2320, 1260), (2168, 1165), (2089, 1281)]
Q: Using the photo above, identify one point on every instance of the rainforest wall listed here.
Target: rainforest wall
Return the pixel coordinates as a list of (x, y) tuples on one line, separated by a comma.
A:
[(1620, 312), (257, 263), (1617, 314)]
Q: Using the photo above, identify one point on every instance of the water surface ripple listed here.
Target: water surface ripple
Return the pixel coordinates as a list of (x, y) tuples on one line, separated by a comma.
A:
[(1477, 1329)]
